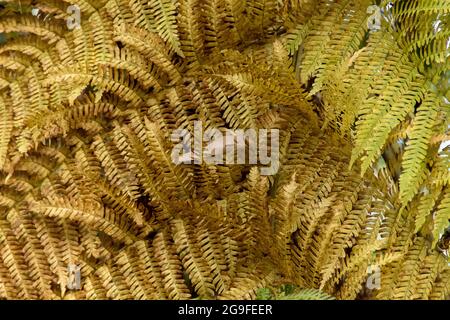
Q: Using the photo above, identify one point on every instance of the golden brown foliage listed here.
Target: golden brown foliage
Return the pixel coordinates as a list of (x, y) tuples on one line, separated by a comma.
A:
[(87, 178)]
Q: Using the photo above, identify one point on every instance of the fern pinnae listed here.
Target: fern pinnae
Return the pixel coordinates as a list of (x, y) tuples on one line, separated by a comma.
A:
[(87, 115)]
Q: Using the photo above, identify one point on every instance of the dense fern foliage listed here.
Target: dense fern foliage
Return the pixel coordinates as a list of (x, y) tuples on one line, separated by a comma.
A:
[(87, 179)]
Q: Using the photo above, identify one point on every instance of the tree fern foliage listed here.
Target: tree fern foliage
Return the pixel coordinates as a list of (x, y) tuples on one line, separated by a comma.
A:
[(86, 176)]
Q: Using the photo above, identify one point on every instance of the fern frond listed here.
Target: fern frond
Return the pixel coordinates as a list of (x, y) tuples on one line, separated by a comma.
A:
[(416, 149), (307, 294), (163, 13), (6, 127), (441, 217), (87, 118)]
